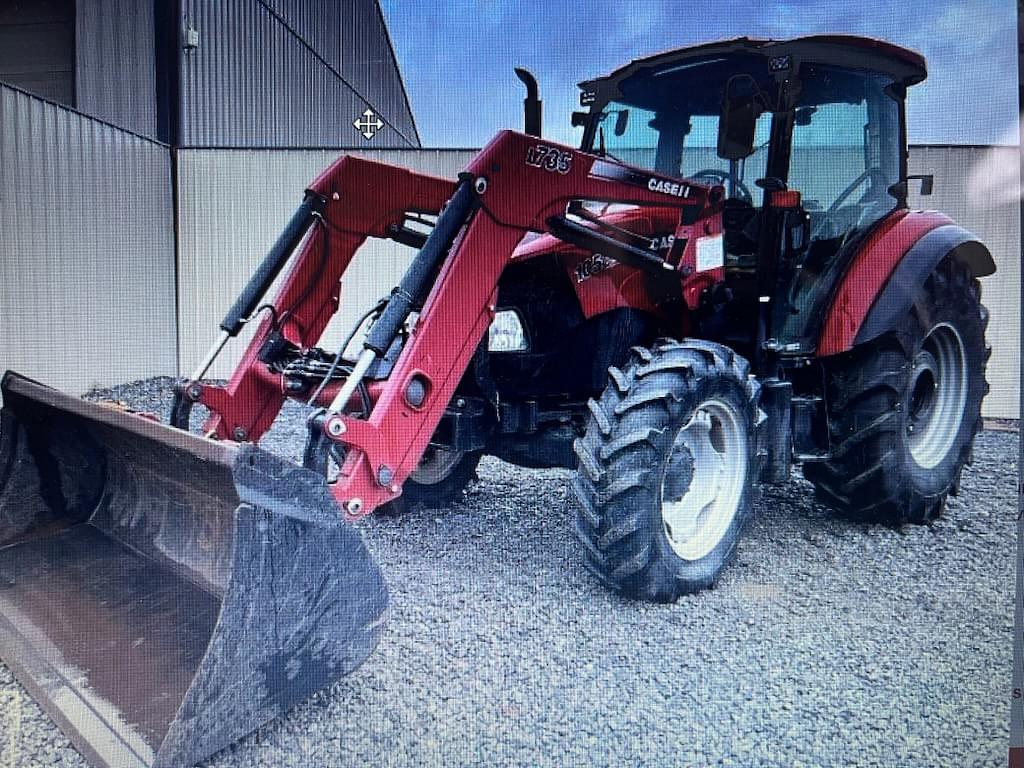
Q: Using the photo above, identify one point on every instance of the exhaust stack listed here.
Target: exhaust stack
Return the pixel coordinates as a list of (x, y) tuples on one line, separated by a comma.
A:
[(532, 105)]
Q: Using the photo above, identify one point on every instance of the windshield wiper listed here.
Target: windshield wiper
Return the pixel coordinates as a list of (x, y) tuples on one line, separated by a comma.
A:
[(602, 149)]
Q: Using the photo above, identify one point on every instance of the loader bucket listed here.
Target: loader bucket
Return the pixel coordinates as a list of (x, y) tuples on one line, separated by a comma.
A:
[(161, 594)]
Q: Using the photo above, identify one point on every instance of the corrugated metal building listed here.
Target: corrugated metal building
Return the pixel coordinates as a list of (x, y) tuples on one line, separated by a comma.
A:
[(215, 73), (115, 63), (37, 45), (289, 73), (87, 274), (88, 191)]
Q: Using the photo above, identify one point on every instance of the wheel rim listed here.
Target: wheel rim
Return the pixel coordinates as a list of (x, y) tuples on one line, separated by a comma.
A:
[(435, 466), (704, 479), (938, 396)]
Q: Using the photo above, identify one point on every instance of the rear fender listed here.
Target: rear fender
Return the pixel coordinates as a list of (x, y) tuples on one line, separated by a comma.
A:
[(903, 288), (884, 277)]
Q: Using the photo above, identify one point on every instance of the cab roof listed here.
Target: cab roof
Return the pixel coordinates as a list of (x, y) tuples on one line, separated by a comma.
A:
[(901, 64)]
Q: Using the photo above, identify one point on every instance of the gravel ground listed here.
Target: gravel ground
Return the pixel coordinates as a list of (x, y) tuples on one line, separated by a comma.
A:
[(827, 643)]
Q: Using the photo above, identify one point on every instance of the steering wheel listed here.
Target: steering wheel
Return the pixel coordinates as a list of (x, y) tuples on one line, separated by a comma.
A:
[(721, 177), (876, 175)]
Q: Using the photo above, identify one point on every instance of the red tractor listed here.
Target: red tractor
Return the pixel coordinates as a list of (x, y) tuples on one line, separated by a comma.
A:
[(723, 280)]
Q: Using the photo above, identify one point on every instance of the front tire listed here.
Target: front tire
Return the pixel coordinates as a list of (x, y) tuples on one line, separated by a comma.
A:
[(904, 408), (667, 466), (440, 479)]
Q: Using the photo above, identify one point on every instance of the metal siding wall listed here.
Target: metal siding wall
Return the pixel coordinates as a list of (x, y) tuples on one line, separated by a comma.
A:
[(115, 74), (353, 38), (232, 206), (252, 83), (998, 226), (87, 256), (37, 43)]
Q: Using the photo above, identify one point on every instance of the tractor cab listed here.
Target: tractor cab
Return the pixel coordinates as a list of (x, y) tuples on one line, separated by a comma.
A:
[(807, 138)]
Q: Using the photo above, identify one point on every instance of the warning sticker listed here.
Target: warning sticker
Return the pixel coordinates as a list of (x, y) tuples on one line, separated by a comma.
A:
[(710, 252)]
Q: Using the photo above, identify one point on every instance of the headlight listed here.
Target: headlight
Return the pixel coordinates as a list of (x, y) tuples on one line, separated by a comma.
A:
[(506, 333)]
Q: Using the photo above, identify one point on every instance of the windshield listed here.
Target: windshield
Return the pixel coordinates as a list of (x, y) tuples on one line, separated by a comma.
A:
[(667, 122)]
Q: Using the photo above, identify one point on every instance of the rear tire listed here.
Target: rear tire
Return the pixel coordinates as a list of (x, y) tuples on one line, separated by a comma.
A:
[(667, 465), (904, 408)]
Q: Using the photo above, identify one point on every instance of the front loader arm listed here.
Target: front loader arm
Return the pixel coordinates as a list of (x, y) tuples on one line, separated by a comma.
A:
[(517, 184), (357, 199)]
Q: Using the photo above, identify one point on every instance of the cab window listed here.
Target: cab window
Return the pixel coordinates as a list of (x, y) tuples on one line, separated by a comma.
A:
[(701, 160), (845, 151)]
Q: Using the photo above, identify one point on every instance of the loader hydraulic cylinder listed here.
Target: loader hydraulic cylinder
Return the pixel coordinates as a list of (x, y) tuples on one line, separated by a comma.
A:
[(419, 278), (261, 280), (414, 288)]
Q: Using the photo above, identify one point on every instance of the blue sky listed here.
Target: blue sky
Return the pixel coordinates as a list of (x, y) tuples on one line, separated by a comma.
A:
[(457, 57)]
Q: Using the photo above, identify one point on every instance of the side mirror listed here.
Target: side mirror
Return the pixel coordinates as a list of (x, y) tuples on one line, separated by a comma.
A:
[(803, 115), (900, 189), (579, 119), (927, 182), (621, 121), (742, 105)]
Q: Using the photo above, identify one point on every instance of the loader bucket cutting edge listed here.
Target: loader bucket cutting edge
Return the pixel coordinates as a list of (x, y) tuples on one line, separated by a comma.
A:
[(162, 595)]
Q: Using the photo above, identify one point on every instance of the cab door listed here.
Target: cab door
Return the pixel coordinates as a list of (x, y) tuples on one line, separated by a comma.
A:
[(845, 155)]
